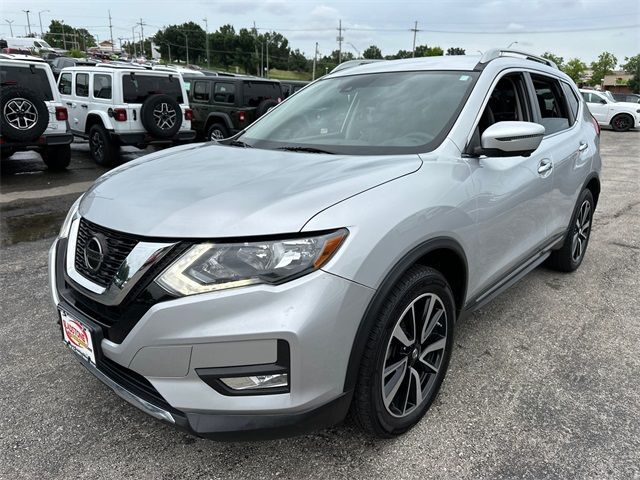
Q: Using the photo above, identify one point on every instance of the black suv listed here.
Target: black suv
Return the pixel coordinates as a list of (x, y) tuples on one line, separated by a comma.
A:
[(222, 106)]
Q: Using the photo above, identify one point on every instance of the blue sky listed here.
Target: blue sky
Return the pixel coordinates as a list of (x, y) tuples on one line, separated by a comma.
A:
[(570, 28)]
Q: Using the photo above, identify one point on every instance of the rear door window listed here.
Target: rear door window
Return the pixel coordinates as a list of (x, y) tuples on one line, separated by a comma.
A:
[(201, 91), (23, 76), (136, 88), (82, 84), (256, 92), (224, 93), (554, 112), (64, 85), (101, 86)]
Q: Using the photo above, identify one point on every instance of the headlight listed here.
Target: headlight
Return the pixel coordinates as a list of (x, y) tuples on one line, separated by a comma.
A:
[(215, 266), (71, 216)]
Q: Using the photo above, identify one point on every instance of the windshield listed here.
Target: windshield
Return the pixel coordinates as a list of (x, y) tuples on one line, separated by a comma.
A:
[(382, 113), (610, 96)]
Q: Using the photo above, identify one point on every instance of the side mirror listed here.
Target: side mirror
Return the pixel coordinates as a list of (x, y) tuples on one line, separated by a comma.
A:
[(511, 139)]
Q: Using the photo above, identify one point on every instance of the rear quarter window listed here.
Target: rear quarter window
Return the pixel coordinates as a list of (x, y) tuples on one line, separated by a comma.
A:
[(256, 92), (36, 80), (136, 88)]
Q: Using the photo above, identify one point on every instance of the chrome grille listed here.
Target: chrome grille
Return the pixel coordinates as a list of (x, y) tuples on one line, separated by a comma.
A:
[(118, 246)]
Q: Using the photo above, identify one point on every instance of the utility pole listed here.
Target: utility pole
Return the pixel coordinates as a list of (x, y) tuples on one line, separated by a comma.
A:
[(206, 39), (268, 40), (186, 42), (10, 26), (414, 30), (40, 18), (340, 39), (133, 40), (315, 60), (28, 22), (75, 40), (142, 36), (111, 31), (262, 59), (64, 36), (255, 39)]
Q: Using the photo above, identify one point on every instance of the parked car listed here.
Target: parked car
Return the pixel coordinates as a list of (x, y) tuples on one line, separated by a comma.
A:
[(30, 44), (289, 87), (113, 106), (58, 63), (627, 97), (222, 106), (32, 116), (621, 116), (266, 284)]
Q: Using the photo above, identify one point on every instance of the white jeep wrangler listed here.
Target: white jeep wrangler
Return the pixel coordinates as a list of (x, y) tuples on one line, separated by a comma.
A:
[(32, 116), (114, 106)]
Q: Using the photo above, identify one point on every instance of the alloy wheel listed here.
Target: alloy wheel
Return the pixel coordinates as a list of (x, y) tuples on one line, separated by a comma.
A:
[(216, 134), (97, 145), (582, 230), (20, 113), (622, 123), (414, 355), (165, 116)]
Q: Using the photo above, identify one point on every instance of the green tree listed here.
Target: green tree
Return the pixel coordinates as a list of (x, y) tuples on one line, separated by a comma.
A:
[(575, 68), (175, 37), (400, 54), (426, 51), (632, 67), (372, 52), (60, 35), (604, 65), (455, 51), (559, 61)]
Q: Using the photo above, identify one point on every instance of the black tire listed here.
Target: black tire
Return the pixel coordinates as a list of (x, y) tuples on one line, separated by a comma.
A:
[(103, 150), (161, 116), (264, 106), (369, 409), (56, 157), (622, 122), (23, 114), (217, 131), (565, 259)]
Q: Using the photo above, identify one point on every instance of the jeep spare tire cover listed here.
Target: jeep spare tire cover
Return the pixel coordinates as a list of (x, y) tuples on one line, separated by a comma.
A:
[(264, 106), (23, 114), (161, 116)]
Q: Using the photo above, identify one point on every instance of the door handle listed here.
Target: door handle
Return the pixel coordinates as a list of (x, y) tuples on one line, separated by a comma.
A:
[(83, 105), (583, 146), (544, 167), (70, 104)]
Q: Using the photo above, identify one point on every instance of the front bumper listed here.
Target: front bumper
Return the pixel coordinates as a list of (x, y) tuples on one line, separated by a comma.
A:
[(317, 315)]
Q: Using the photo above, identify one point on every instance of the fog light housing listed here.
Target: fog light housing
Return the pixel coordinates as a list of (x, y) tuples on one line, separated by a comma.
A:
[(262, 382), (261, 379)]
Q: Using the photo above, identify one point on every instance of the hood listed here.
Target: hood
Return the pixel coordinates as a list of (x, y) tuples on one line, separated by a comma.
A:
[(215, 191)]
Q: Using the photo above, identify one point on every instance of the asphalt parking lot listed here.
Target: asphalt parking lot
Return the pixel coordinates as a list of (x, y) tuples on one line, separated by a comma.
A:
[(544, 382)]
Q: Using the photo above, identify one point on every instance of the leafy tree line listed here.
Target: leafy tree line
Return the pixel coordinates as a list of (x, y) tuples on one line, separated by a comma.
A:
[(604, 65), (60, 35)]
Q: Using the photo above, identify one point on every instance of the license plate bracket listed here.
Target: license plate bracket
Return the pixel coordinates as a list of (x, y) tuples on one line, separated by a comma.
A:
[(79, 336)]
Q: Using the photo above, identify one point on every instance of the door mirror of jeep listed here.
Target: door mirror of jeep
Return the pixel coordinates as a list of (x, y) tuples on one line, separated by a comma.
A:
[(510, 139)]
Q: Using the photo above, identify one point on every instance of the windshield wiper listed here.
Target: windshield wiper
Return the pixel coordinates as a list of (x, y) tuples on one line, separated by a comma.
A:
[(305, 149), (237, 143)]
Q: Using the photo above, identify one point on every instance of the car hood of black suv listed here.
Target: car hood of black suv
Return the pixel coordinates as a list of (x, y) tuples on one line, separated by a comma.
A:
[(215, 191)]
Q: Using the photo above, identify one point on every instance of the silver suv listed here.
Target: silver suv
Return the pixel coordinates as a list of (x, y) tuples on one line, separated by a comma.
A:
[(318, 261)]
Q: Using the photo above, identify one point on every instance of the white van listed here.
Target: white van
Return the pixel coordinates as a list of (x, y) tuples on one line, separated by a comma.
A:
[(36, 45)]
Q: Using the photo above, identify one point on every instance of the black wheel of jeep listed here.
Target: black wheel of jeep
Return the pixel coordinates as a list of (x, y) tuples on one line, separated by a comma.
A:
[(407, 354), (161, 116), (23, 114), (569, 257), (56, 157), (622, 122), (103, 150), (264, 106), (217, 131)]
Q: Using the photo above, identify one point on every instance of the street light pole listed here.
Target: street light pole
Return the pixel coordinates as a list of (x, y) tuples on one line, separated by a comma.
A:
[(206, 39), (133, 40), (512, 43), (64, 36), (10, 26), (186, 42), (40, 18), (28, 22), (315, 59)]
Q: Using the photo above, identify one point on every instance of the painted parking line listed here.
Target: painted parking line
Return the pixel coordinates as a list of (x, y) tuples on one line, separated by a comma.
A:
[(78, 187)]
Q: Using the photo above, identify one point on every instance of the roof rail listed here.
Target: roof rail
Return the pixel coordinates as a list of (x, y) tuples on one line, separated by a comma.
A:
[(494, 53)]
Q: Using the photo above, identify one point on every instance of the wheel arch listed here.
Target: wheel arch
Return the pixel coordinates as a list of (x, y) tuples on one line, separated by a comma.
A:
[(619, 114), (443, 254), (592, 183), (217, 117), (94, 118)]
